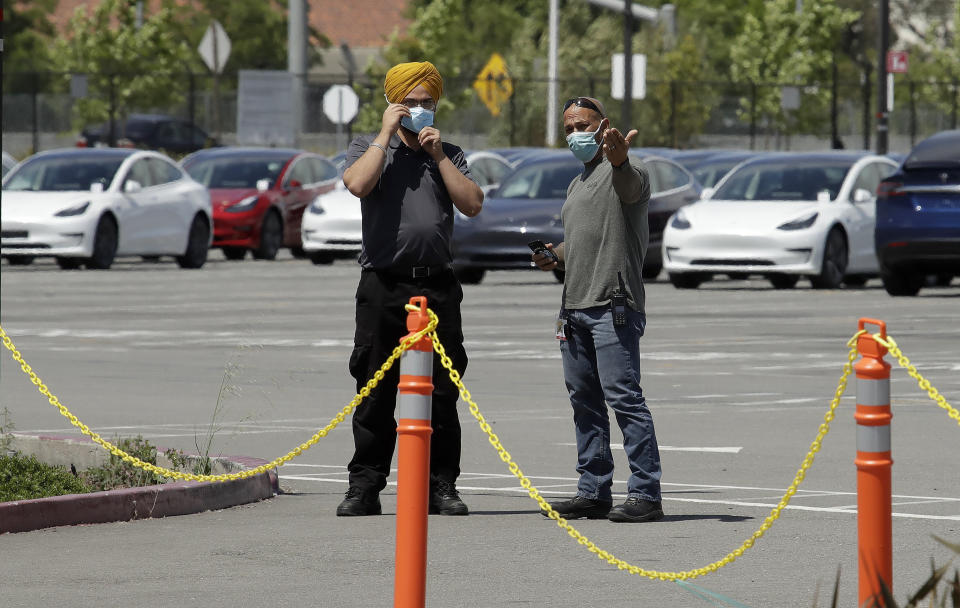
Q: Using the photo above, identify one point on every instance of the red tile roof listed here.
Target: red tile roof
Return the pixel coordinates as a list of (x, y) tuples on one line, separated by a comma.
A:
[(359, 23)]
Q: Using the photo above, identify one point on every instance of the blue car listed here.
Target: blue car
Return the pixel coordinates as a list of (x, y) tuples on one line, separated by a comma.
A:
[(917, 230)]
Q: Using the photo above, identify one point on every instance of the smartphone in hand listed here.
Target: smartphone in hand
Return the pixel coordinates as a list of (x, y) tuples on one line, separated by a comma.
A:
[(541, 247)]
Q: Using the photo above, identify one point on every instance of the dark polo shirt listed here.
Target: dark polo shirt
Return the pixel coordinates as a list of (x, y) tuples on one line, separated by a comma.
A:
[(408, 216)]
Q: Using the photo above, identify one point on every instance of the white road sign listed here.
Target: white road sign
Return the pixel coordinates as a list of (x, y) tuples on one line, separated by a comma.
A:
[(638, 76), (214, 49), (340, 104)]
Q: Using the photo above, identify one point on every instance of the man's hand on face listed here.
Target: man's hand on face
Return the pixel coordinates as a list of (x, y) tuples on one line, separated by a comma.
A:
[(430, 141), (616, 146), (392, 116)]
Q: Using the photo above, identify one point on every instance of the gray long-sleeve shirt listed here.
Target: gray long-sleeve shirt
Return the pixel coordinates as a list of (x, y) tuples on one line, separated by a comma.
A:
[(605, 231)]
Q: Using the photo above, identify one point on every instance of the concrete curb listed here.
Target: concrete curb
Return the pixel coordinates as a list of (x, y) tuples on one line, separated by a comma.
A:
[(176, 498)]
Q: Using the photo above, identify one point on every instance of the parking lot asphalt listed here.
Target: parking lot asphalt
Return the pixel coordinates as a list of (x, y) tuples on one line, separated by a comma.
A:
[(738, 376)]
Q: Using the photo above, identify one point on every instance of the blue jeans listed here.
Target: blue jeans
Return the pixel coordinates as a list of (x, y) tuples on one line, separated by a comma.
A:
[(601, 366)]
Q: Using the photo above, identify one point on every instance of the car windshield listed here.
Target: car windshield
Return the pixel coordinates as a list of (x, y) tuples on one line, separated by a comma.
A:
[(708, 173), (234, 172), (786, 179), (63, 174), (541, 180)]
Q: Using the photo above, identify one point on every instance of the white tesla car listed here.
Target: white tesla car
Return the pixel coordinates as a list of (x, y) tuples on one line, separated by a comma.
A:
[(331, 226), (782, 216), (86, 206)]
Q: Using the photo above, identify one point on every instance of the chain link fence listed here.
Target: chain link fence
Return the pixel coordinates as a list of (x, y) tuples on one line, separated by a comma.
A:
[(40, 111)]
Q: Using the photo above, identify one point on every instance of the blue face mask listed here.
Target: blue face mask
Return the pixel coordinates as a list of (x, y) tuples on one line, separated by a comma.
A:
[(418, 119), (584, 145)]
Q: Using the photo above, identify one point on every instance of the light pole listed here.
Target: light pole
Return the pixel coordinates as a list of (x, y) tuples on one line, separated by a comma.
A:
[(882, 114)]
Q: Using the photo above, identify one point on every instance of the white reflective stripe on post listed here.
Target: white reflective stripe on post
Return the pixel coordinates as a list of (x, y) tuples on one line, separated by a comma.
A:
[(414, 406), (873, 392), (417, 363), (873, 438)]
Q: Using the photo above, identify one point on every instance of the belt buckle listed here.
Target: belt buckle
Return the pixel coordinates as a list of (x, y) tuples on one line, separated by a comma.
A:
[(421, 272)]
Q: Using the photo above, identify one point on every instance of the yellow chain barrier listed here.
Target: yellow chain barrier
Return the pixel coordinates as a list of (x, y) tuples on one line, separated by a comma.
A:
[(340, 417), (606, 555), (505, 456), (891, 345)]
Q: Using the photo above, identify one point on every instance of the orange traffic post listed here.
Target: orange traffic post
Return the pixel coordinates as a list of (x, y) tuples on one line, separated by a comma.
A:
[(413, 462), (874, 464)]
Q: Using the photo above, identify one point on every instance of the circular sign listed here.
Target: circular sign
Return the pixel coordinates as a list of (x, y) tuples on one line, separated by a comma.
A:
[(340, 104)]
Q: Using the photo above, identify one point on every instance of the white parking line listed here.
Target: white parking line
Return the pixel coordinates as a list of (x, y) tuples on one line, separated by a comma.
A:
[(670, 448)]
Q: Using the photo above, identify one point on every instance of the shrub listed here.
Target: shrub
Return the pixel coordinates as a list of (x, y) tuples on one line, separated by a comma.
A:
[(25, 477)]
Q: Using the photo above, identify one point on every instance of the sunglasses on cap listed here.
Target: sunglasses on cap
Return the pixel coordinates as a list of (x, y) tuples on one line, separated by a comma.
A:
[(582, 102)]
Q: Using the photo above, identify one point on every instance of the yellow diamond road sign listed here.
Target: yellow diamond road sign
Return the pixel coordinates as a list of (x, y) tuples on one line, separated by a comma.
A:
[(493, 84)]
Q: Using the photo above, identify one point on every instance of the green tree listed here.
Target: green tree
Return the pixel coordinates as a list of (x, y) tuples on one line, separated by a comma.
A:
[(126, 67), (459, 36), (28, 36), (935, 63), (257, 31), (785, 46)]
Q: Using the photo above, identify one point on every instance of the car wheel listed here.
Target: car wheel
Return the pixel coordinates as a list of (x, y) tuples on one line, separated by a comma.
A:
[(104, 244), (783, 281), (686, 280), (20, 260), (855, 280), (834, 262), (298, 252), (234, 253), (69, 263), (899, 283), (470, 276), (271, 237), (560, 275), (198, 244), (650, 271), (321, 257)]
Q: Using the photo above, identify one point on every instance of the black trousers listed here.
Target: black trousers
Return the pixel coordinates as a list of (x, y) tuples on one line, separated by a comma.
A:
[(381, 322)]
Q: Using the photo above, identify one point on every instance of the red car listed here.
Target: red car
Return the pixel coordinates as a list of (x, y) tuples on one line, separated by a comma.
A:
[(259, 196)]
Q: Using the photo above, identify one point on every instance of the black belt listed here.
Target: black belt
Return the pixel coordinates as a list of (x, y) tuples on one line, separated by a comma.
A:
[(413, 272)]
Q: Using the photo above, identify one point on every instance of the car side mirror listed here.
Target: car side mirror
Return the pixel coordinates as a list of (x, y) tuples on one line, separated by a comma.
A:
[(263, 185), (294, 184), (707, 193), (132, 186), (862, 195)]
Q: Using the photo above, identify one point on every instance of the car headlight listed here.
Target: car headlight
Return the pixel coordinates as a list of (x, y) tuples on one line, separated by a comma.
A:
[(243, 205), (317, 209), (799, 224), (75, 210), (680, 221)]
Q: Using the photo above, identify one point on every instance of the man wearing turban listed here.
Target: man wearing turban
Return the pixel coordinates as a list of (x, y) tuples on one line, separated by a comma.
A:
[(409, 181)]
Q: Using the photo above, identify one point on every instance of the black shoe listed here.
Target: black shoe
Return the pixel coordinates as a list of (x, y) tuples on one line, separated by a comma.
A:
[(636, 510), (580, 506), (445, 500), (359, 502)]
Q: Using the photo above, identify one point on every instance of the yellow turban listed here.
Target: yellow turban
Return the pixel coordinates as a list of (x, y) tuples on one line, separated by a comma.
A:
[(405, 77)]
